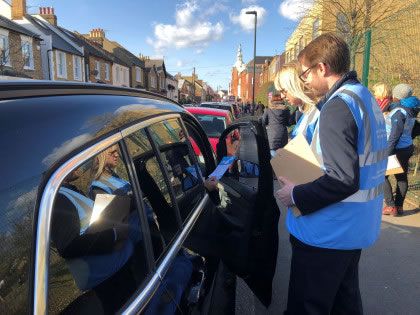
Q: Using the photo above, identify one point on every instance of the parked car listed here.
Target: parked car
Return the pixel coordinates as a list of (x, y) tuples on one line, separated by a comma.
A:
[(214, 122), (226, 106), (103, 211)]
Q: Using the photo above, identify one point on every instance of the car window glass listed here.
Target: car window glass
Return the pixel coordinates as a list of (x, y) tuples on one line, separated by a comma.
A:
[(180, 164), (161, 215), (97, 258), (212, 125), (197, 147)]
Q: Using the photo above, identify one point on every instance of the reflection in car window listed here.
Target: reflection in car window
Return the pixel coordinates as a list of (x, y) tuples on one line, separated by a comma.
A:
[(161, 214), (96, 239), (180, 166), (212, 125), (197, 147)]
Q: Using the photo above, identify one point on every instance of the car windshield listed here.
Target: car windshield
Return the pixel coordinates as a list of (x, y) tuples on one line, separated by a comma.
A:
[(213, 125), (218, 106)]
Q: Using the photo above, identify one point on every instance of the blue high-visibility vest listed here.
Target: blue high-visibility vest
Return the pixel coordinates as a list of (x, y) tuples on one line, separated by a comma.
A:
[(83, 205), (112, 185), (405, 139), (354, 222), (307, 124)]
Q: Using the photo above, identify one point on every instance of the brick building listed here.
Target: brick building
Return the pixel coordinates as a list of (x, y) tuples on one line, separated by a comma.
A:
[(20, 51)]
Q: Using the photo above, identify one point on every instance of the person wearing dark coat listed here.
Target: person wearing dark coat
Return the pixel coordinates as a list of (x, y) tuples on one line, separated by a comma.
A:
[(276, 118), (259, 109)]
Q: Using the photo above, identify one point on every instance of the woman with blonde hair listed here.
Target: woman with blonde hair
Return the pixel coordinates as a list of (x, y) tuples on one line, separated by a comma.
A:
[(297, 94), (382, 93)]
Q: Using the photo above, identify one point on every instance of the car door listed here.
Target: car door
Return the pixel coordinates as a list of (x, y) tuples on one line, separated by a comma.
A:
[(242, 226)]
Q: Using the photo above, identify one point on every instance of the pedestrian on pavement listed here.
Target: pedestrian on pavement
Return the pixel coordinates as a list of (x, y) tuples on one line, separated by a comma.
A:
[(340, 212), (259, 109), (248, 107), (382, 93), (399, 125), (297, 94), (276, 118)]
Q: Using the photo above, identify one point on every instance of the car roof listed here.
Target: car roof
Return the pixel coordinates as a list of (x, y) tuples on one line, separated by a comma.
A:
[(216, 103), (11, 89), (207, 111)]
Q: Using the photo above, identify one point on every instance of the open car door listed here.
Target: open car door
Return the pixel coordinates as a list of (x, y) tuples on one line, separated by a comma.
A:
[(242, 229)]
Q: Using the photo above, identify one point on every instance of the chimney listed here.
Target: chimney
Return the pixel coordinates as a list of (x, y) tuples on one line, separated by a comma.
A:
[(48, 14), (140, 56), (97, 35), (18, 9)]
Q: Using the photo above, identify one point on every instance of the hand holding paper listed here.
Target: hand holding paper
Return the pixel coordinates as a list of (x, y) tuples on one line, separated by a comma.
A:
[(285, 193), (223, 167)]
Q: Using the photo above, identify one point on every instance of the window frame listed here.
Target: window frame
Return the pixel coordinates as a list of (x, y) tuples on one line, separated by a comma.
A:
[(107, 71), (138, 74), (98, 69), (61, 65), (139, 300), (27, 41), (77, 61), (153, 81), (4, 34)]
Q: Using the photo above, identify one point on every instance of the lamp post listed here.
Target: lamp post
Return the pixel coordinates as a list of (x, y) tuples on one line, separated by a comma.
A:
[(255, 45)]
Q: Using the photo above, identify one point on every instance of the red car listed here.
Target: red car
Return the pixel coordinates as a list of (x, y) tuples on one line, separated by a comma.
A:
[(214, 122)]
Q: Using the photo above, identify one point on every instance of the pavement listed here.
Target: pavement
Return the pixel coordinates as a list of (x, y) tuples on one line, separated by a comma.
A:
[(389, 270)]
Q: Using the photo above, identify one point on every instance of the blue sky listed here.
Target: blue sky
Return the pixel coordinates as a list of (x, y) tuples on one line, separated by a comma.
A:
[(204, 34)]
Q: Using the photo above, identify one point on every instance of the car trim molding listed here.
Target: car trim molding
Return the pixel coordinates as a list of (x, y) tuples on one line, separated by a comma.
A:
[(146, 294), (42, 249), (143, 124)]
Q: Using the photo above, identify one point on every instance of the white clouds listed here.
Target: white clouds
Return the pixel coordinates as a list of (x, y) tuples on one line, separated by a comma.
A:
[(180, 63), (249, 1), (246, 21), (65, 148), (199, 51), (188, 31), (295, 9)]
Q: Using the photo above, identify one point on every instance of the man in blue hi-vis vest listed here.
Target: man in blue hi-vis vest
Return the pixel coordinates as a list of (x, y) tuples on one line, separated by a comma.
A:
[(340, 211)]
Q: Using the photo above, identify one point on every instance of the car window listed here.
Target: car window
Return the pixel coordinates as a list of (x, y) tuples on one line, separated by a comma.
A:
[(161, 214), (212, 125), (180, 164), (197, 147), (97, 259)]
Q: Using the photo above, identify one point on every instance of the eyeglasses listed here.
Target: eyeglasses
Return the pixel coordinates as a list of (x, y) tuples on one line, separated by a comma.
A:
[(304, 75), (113, 152)]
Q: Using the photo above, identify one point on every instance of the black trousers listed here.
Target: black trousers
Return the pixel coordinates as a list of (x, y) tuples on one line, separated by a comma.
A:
[(323, 281), (403, 155)]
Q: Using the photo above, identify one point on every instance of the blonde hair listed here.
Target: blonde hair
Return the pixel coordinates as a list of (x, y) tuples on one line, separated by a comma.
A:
[(381, 90), (288, 79), (99, 163)]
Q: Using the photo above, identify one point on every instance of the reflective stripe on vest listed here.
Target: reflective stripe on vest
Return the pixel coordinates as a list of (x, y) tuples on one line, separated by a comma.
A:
[(355, 221), (307, 124), (112, 185), (83, 205), (405, 139)]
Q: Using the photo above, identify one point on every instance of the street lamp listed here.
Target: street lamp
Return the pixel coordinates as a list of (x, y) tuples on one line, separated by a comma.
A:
[(255, 44)]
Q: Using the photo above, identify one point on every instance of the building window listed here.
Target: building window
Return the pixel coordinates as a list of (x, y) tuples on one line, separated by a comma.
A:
[(301, 44), (296, 50), (125, 76), (153, 81), (117, 74), (315, 29), (27, 53), (343, 27), (98, 70), (4, 50), (138, 74), (162, 83), (107, 72), (61, 65), (77, 68)]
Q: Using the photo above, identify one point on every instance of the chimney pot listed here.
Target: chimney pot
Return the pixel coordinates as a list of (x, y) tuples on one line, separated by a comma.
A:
[(52, 10), (40, 10)]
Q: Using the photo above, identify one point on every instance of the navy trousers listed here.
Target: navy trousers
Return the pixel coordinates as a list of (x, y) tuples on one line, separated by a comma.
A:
[(323, 281)]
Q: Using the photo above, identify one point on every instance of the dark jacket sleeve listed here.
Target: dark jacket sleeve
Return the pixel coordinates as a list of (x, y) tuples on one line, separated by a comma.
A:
[(397, 123), (265, 118), (338, 134)]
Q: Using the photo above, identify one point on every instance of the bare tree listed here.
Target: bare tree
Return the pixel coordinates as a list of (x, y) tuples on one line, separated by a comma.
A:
[(351, 19)]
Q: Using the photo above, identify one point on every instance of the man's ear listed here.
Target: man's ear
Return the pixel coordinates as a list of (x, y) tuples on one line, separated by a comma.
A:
[(323, 69)]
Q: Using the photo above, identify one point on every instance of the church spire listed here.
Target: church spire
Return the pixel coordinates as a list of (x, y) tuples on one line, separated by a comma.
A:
[(239, 64)]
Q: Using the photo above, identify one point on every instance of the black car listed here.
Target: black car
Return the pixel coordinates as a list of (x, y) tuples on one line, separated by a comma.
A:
[(104, 209), (226, 106)]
